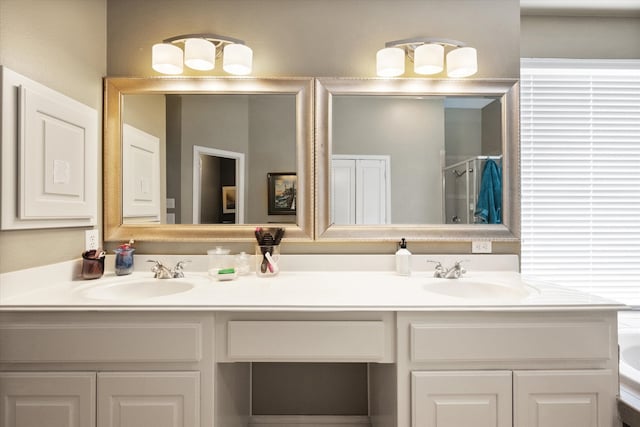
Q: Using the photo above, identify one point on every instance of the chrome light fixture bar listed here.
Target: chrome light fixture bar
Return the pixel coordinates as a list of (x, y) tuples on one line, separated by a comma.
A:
[(200, 53), (427, 55)]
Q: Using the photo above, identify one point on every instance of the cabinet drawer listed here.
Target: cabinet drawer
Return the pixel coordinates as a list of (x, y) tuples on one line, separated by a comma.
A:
[(101, 342), (514, 341), (322, 341)]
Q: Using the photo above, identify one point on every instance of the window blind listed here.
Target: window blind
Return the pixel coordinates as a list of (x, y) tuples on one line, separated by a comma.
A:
[(580, 171)]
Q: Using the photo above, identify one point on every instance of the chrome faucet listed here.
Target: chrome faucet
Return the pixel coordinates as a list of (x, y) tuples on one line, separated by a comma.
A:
[(177, 271), (454, 272), (161, 271)]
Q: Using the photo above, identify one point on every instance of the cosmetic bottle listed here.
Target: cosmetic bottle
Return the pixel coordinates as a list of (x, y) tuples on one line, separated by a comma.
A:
[(403, 259)]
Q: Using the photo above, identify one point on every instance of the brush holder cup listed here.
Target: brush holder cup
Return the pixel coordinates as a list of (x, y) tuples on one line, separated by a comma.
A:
[(92, 267), (267, 257)]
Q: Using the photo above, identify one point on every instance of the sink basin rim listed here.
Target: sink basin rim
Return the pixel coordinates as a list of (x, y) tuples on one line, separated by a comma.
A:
[(473, 289), (137, 289)]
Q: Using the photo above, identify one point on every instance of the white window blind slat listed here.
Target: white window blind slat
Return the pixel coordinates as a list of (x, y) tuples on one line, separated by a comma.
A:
[(580, 171)]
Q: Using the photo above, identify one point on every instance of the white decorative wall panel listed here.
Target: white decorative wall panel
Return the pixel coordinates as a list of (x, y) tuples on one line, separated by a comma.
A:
[(141, 174), (49, 157)]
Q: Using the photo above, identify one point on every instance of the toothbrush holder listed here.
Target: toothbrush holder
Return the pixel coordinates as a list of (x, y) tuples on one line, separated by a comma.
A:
[(267, 257)]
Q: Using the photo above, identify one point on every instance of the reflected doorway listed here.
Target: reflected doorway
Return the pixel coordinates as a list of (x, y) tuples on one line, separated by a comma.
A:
[(218, 186)]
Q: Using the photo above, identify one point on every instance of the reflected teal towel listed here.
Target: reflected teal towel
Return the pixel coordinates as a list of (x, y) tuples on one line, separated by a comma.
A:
[(489, 206)]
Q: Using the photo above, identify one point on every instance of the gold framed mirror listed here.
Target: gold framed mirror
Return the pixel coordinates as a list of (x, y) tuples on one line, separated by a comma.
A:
[(367, 122), (147, 206)]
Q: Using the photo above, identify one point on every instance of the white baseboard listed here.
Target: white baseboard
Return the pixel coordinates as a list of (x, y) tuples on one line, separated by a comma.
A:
[(309, 421)]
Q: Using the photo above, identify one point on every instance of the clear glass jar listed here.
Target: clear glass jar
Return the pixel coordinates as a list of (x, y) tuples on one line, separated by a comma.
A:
[(243, 264), (219, 258)]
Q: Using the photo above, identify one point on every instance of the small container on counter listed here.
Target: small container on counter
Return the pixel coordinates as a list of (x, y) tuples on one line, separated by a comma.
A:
[(403, 259), (267, 257), (124, 259), (243, 263), (92, 264), (219, 259)]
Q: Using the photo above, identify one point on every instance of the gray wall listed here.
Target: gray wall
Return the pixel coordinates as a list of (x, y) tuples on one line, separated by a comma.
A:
[(492, 129), (216, 121), (260, 126), (271, 149), (289, 38), (587, 37), (61, 44), (315, 37)]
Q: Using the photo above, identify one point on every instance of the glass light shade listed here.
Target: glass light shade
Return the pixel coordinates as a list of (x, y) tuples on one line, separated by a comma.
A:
[(462, 62), (199, 54), (166, 58), (428, 59), (390, 62), (237, 59)]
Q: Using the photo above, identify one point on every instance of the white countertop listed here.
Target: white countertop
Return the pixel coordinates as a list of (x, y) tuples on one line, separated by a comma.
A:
[(56, 288)]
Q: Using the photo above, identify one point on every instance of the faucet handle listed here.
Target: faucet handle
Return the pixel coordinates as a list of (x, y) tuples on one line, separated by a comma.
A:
[(439, 271), (459, 268), (177, 271), (159, 270)]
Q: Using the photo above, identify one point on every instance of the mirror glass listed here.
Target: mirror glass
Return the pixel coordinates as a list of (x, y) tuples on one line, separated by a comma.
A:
[(413, 159), (419, 158), (191, 157), (216, 153)]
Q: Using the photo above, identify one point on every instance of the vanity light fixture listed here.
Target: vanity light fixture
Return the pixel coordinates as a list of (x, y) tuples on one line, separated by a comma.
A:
[(200, 53), (427, 55)]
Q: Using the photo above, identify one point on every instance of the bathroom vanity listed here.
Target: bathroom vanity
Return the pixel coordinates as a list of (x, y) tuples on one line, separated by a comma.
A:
[(436, 353)]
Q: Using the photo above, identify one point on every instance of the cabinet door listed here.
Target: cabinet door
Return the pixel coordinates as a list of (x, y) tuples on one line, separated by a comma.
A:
[(158, 399), (461, 399), (60, 399), (564, 398)]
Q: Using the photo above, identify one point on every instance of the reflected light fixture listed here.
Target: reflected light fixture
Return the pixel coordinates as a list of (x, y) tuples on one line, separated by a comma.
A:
[(428, 56), (200, 53)]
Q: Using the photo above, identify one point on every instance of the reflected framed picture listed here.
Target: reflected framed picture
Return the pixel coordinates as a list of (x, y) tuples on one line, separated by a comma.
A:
[(282, 187), (228, 199)]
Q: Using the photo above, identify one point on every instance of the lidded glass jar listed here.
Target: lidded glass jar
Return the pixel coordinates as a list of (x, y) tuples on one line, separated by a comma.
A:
[(219, 259)]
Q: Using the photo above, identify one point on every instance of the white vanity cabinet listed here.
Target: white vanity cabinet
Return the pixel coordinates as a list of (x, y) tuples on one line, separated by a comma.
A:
[(62, 399), (485, 398), (564, 398), (455, 399), (159, 399), (478, 367), (102, 399), (112, 369), (515, 369)]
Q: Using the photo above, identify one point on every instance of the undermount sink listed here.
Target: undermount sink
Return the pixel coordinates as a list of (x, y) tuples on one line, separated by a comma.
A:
[(139, 289), (472, 289)]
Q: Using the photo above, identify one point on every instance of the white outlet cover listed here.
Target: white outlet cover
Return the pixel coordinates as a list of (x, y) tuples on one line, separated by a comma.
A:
[(91, 239), (481, 247)]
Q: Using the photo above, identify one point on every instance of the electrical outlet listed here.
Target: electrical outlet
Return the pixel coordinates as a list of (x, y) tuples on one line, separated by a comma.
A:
[(91, 239), (481, 246)]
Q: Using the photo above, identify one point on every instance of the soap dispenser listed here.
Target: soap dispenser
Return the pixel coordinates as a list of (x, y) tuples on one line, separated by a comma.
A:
[(403, 259)]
